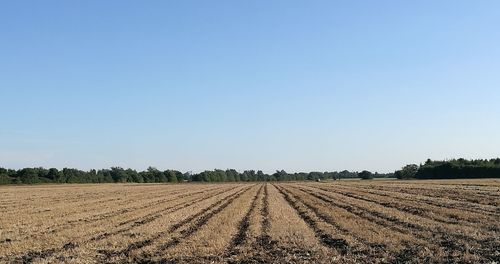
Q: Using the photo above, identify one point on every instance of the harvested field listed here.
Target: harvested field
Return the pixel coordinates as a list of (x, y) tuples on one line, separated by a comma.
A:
[(350, 221)]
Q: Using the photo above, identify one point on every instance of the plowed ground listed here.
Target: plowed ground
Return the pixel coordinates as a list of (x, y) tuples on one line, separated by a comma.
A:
[(300, 222)]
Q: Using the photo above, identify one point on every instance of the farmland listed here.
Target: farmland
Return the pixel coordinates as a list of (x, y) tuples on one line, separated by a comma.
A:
[(347, 221)]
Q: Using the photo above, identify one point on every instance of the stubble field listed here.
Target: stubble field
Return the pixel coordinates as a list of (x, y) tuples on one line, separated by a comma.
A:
[(302, 222)]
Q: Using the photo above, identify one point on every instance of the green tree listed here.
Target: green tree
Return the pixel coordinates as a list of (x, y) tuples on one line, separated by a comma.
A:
[(54, 175), (171, 176), (104, 176), (118, 174), (280, 176), (28, 175), (133, 176), (231, 175), (155, 175), (250, 175), (4, 178), (407, 172), (365, 175), (261, 176)]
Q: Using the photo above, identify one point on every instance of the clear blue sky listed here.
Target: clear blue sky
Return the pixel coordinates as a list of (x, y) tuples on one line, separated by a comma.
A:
[(294, 85)]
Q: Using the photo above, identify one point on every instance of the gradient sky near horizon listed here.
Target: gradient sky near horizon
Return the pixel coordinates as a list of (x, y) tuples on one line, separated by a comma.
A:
[(294, 85)]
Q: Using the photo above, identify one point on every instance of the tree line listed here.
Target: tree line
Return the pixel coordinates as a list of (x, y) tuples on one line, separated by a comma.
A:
[(451, 169), (153, 175)]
